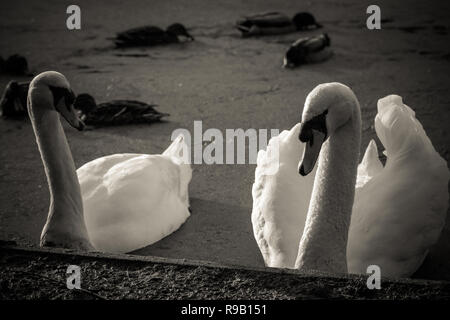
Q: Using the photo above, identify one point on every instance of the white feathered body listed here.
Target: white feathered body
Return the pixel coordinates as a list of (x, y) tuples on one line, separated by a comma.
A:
[(133, 200), (277, 226), (399, 210)]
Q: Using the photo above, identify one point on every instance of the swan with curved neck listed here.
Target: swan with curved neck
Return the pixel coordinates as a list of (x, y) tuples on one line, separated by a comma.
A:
[(331, 129), (50, 95), (117, 203), (336, 215)]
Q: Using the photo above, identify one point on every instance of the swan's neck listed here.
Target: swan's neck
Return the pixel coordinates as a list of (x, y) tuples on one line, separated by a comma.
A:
[(324, 241), (65, 195)]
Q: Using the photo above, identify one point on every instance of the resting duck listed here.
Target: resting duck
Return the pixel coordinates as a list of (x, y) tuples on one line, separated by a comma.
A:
[(13, 103), (151, 36), (15, 64), (268, 23), (115, 112), (308, 50)]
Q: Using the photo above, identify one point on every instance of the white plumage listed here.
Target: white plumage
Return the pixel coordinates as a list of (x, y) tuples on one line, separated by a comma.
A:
[(281, 200), (399, 209), (133, 200)]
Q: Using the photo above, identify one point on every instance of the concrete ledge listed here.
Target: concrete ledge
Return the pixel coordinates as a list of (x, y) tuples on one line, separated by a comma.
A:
[(32, 273)]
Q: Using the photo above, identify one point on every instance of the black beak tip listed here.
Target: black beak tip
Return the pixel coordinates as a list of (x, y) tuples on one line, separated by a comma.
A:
[(301, 170)]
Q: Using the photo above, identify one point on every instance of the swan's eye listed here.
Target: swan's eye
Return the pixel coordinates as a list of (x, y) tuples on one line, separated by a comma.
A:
[(317, 123), (57, 93), (62, 93)]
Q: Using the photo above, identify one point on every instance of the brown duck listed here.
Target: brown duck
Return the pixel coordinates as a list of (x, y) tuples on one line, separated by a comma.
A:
[(151, 36), (115, 112), (268, 23)]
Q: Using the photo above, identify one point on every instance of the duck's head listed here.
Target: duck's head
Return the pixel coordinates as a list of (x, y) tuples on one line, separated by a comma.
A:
[(50, 91), (328, 107), (305, 20), (85, 103), (16, 64), (294, 57), (179, 30)]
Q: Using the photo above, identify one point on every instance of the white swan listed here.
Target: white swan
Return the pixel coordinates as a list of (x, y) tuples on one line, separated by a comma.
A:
[(129, 200), (397, 213)]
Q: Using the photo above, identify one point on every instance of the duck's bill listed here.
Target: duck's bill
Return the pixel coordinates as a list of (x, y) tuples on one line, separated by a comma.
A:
[(311, 152)]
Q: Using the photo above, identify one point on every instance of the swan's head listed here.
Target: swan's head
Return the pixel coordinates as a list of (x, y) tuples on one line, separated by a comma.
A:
[(50, 91), (327, 108)]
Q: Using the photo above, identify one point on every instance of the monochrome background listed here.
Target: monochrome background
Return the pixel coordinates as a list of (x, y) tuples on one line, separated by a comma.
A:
[(223, 80)]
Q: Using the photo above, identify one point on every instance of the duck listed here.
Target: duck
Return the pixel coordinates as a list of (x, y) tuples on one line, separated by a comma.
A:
[(316, 208), (115, 204), (15, 65), (115, 112), (308, 50), (269, 23), (151, 36), (13, 103)]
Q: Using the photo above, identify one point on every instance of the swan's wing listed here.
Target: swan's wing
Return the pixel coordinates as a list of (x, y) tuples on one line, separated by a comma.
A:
[(400, 132), (131, 201), (370, 165), (179, 153), (400, 212), (280, 199), (91, 173), (178, 148)]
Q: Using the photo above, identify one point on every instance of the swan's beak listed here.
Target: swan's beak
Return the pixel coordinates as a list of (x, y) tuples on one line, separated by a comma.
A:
[(69, 113), (314, 140), (75, 122)]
